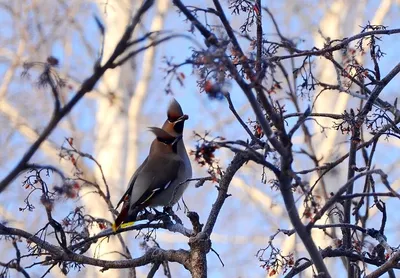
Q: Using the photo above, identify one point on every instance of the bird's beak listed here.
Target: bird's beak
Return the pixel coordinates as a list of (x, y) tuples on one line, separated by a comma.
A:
[(182, 118)]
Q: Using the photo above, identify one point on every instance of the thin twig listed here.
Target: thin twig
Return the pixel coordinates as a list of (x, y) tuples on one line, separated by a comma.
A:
[(242, 123)]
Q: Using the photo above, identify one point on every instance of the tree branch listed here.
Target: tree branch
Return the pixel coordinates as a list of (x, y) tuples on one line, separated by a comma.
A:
[(237, 162), (152, 255), (391, 263), (86, 87)]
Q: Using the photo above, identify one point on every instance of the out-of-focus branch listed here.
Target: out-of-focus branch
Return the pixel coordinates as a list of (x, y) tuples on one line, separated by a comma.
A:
[(325, 115), (349, 188), (242, 123), (372, 194), (86, 87), (141, 89), (143, 48), (332, 253), (22, 125), (211, 39), (282, 146), (16, 263), (339, 46), (343, 189), (259, 37), (377, 90), (247, 88), (250, 153), (329, 166)]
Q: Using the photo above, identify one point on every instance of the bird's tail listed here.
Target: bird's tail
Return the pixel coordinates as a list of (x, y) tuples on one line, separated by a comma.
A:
[(124, 219), (127, 224), (120, 218), (124, 225)]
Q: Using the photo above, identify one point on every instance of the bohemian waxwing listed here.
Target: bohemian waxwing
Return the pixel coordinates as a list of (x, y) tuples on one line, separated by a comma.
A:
[(155, 176), (174, 126)]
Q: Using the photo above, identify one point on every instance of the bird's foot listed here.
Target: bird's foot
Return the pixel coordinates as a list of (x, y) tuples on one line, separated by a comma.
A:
[(170, 212), (158, 214)]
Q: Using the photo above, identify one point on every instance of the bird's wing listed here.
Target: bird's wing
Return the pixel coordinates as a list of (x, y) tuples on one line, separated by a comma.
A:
[(145, 184), (127, 194), (151, 182)]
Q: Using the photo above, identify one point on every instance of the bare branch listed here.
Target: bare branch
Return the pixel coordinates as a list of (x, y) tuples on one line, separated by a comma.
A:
[(151, 255), (86, 87), (342, 190), (391, 263), (339, 46), (237, 162)]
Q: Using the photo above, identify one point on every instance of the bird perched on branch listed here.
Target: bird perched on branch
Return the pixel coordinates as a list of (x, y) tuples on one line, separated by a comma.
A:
[(159, 173), (169, 195), (174, 125)]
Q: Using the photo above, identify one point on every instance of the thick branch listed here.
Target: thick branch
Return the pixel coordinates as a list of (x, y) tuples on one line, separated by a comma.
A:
[(172, 227), (304, 234), (391, 263), (377, 90), (152, 255), (237, 162), (332, 253), (212, 40)]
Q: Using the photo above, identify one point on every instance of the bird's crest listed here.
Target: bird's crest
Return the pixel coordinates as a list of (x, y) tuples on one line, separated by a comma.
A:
[(176, 119), (164, 136), (174, 111)]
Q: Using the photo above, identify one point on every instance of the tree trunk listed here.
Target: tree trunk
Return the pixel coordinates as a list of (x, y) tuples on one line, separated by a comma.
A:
[(141, 92), (112, 127)]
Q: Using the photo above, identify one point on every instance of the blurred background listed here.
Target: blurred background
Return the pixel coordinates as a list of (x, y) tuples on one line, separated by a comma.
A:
[(111, 122)]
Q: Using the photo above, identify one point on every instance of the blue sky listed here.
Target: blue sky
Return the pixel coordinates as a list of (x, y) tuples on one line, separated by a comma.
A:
[(238, 217)]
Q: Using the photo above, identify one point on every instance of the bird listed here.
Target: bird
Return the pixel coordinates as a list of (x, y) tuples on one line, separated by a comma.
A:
[(174, 125), (158, 173)]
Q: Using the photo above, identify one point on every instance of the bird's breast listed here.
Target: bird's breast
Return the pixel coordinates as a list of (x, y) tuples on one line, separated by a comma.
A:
[(186, 160)]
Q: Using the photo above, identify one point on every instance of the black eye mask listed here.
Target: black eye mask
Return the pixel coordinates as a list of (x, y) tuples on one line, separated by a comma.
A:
[(178, 127), (166, 141), (169, 142)]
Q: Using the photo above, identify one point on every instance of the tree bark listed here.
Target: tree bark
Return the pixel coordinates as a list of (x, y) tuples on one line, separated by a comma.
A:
[(112, 127)]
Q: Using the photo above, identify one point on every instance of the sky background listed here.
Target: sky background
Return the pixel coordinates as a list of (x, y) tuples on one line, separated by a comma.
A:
[(244, 226)]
